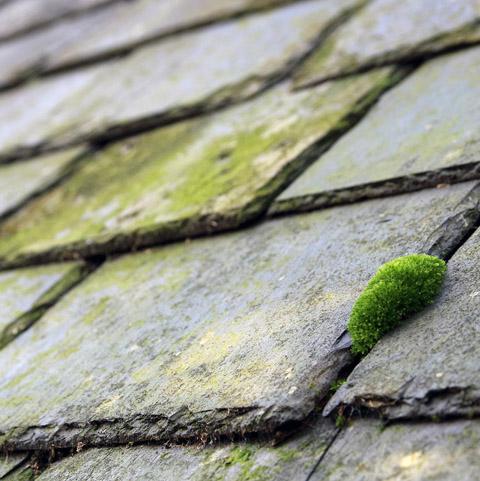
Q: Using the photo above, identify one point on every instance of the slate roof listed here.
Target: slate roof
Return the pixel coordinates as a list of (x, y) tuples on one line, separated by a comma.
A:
[(192, 196)]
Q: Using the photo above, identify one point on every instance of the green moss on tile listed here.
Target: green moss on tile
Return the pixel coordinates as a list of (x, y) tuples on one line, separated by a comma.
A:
[(230, 164), (337, 384), (400, 288)]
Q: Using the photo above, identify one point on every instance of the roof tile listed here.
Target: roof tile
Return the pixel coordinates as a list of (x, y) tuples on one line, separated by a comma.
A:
[(393, 31), (428, 366), (215, 336), (429, 122), (155, 83), (190, 178)]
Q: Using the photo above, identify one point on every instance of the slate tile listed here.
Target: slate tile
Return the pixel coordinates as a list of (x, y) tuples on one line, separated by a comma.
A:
[(391, 31), (429, 122), (193, 177), (10, 462), (366, 451), (21, 180), (213, 337), (429, 366), (292, 461), (19, 16), (164, 80), (26, 293), (111, 31)]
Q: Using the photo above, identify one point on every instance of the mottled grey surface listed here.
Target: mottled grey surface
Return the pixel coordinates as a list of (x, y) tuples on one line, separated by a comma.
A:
[(21, 15), (292, 461), (10, 462), (227, 334), (365, 451), (428, 122), (428, 366), (21, 180), (190, 178), (22, 290), (165, 79), (391, 31), (105, 31)]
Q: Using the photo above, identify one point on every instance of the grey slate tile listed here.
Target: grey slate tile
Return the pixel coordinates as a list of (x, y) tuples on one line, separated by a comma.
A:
[(365, 451), (164, 80), (428, 366), (108, 31), (17, 16), (26, 293), (391, 31), (292, 461), (191, 178), (429, 122), (21, 180), (222, 335), (10, 462)]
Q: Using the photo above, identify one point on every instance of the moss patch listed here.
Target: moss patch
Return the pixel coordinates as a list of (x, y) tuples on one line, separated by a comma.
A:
[(400, 288), (205, 174)]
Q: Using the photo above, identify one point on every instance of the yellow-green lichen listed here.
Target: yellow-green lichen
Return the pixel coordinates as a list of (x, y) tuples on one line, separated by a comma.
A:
[(232, 163)]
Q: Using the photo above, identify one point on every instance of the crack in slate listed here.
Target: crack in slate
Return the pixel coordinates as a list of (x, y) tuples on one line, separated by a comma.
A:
[(378, 189)]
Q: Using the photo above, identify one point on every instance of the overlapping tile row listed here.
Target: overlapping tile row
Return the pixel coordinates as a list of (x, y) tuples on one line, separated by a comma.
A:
[(193, 177), (106, 32), (165, 80), (232, 338), (213, 337), (390, 31), (293, 461), (364, 451), (423, 132)]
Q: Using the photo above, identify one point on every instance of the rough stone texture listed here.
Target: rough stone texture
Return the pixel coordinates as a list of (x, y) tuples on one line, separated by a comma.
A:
[(9, 463), (21, 180), (391, 31), (18, 16), (365, 451), (165, 80), (193, 341), (108, 31), (193, 177), (429, 122), (25, 294), (428, 366), (292, 461), (22, 473)]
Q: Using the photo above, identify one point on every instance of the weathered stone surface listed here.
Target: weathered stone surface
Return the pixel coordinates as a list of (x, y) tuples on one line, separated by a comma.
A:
[(428, 366), (108, 31), (211, 337), (193, 177), (165, 80), (293, 461), (429, 122), (19, 16), (22, 473), (10, 462), (21, 180), (390, 31), (366, 451), (25, 294)]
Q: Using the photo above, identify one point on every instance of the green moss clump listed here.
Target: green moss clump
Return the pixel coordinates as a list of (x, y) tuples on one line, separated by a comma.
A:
[(399, 289), (335, 386)]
